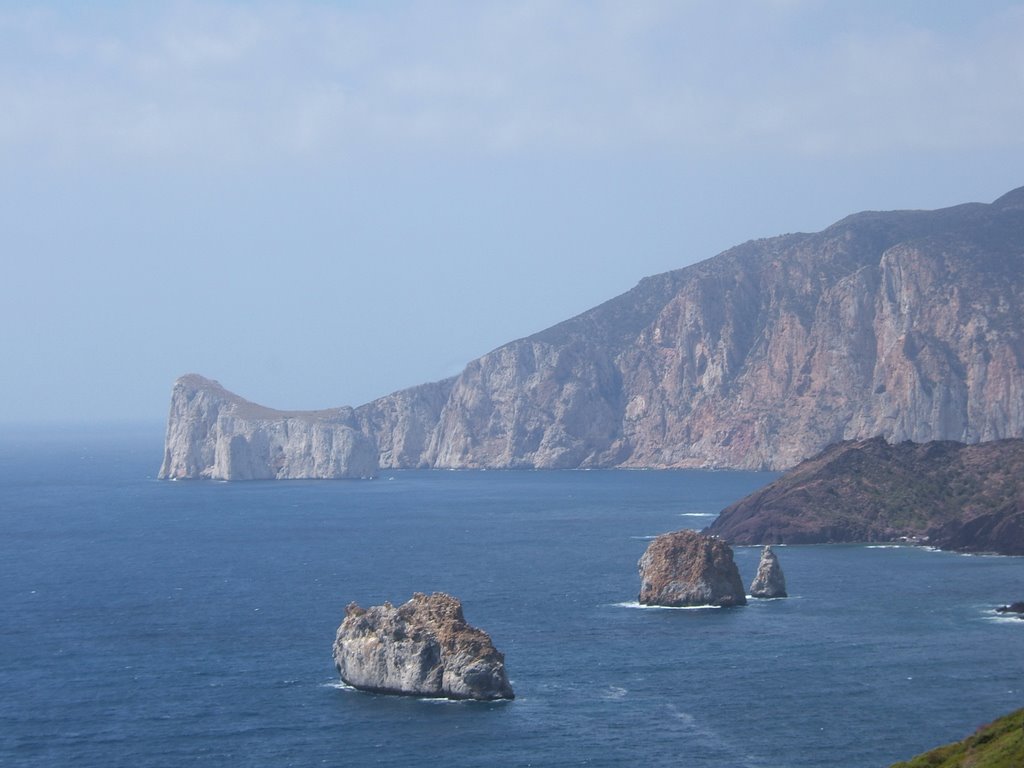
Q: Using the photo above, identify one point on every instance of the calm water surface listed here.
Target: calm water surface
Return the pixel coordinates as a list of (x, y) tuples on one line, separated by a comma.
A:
[(148, 623)]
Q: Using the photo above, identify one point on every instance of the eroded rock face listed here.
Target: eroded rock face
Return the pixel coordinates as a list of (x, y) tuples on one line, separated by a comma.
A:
[(686, 568), (769, 581), (421, 648), (904, 324), (212, 433)]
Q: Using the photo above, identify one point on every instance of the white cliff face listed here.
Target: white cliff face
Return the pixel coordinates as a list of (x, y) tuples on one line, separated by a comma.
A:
[(214, 434)]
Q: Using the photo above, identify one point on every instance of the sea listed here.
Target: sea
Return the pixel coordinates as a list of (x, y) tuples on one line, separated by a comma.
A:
[(150, 623)]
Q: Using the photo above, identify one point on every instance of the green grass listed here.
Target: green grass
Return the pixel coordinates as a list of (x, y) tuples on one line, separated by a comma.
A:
[(997, 745)]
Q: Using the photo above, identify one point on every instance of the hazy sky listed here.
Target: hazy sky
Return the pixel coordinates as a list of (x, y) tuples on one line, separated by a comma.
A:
[(318, 203)]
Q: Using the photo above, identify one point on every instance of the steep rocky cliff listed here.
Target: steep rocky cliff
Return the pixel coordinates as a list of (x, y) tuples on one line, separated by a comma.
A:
[(904, 324), (214, 434), (962, 497)]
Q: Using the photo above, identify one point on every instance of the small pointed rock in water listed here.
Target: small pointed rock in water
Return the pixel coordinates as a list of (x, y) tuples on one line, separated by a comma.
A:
[(769, 582), (421, 648)]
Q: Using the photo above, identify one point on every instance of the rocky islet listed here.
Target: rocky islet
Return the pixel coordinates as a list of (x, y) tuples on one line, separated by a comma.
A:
[(769, 582), (686, 568), (421, 648)]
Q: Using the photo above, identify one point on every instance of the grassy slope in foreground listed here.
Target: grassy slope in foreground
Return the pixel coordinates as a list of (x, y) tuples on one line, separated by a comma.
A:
[(997, 745)]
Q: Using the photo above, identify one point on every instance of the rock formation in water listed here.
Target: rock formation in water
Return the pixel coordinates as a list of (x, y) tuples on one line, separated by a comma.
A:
[(905, 324), (967, 498), (215, 434), (686, 568), (421, 648), (769, 581), (1017, 608)]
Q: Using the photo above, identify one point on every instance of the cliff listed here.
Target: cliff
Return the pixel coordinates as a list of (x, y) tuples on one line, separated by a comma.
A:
[(212, 433), (999, 744), (421, 648), (950, 495), (904, 324)]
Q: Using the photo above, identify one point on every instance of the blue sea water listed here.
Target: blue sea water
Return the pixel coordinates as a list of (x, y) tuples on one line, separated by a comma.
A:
[(149, 623)]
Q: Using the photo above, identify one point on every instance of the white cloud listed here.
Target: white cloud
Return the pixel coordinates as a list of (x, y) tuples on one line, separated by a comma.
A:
[(241, 83)]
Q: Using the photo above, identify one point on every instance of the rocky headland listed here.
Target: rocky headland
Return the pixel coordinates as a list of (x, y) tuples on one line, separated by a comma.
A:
[(422, 648), (903, 324), (686, 568), (769, 582), (968, 498), (215, 434)]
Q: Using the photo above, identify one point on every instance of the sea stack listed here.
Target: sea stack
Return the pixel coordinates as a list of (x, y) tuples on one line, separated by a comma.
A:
[(687, 568), (422, 648), (769, 581)]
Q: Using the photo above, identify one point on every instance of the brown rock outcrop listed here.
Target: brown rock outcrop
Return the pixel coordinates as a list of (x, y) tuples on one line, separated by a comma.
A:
[(421, 648), (687, 568)]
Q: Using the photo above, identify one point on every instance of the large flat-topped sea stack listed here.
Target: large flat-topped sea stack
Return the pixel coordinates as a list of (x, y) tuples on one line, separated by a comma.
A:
[(215, 434), (422, 648), (686, 568)]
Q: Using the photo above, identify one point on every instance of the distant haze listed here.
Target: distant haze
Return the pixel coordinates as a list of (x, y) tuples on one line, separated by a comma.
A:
[(318, 203)]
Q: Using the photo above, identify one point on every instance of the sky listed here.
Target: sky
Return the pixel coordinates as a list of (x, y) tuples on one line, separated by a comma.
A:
[(318, 203)]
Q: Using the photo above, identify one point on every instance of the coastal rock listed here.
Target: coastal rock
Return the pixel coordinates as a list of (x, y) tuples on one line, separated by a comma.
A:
[(212, 433), (903, 324), (1017, 608), (421, 648), (968, 498), (769, 581), (686, 568)]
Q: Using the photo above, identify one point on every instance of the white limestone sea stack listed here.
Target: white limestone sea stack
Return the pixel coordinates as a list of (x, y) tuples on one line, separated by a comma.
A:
[(769, 581), (422, 648), (215, 434)]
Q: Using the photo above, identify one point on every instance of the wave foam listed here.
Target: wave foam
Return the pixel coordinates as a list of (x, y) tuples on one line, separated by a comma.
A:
[(698, 514), (635, 604), (340, 685), (1006, 618)]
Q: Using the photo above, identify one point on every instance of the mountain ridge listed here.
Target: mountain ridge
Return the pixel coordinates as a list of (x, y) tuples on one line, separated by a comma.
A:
[(904, 324)]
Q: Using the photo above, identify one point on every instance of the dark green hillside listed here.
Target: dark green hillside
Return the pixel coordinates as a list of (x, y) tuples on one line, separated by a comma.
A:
[(997, 745), (964, 497)]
